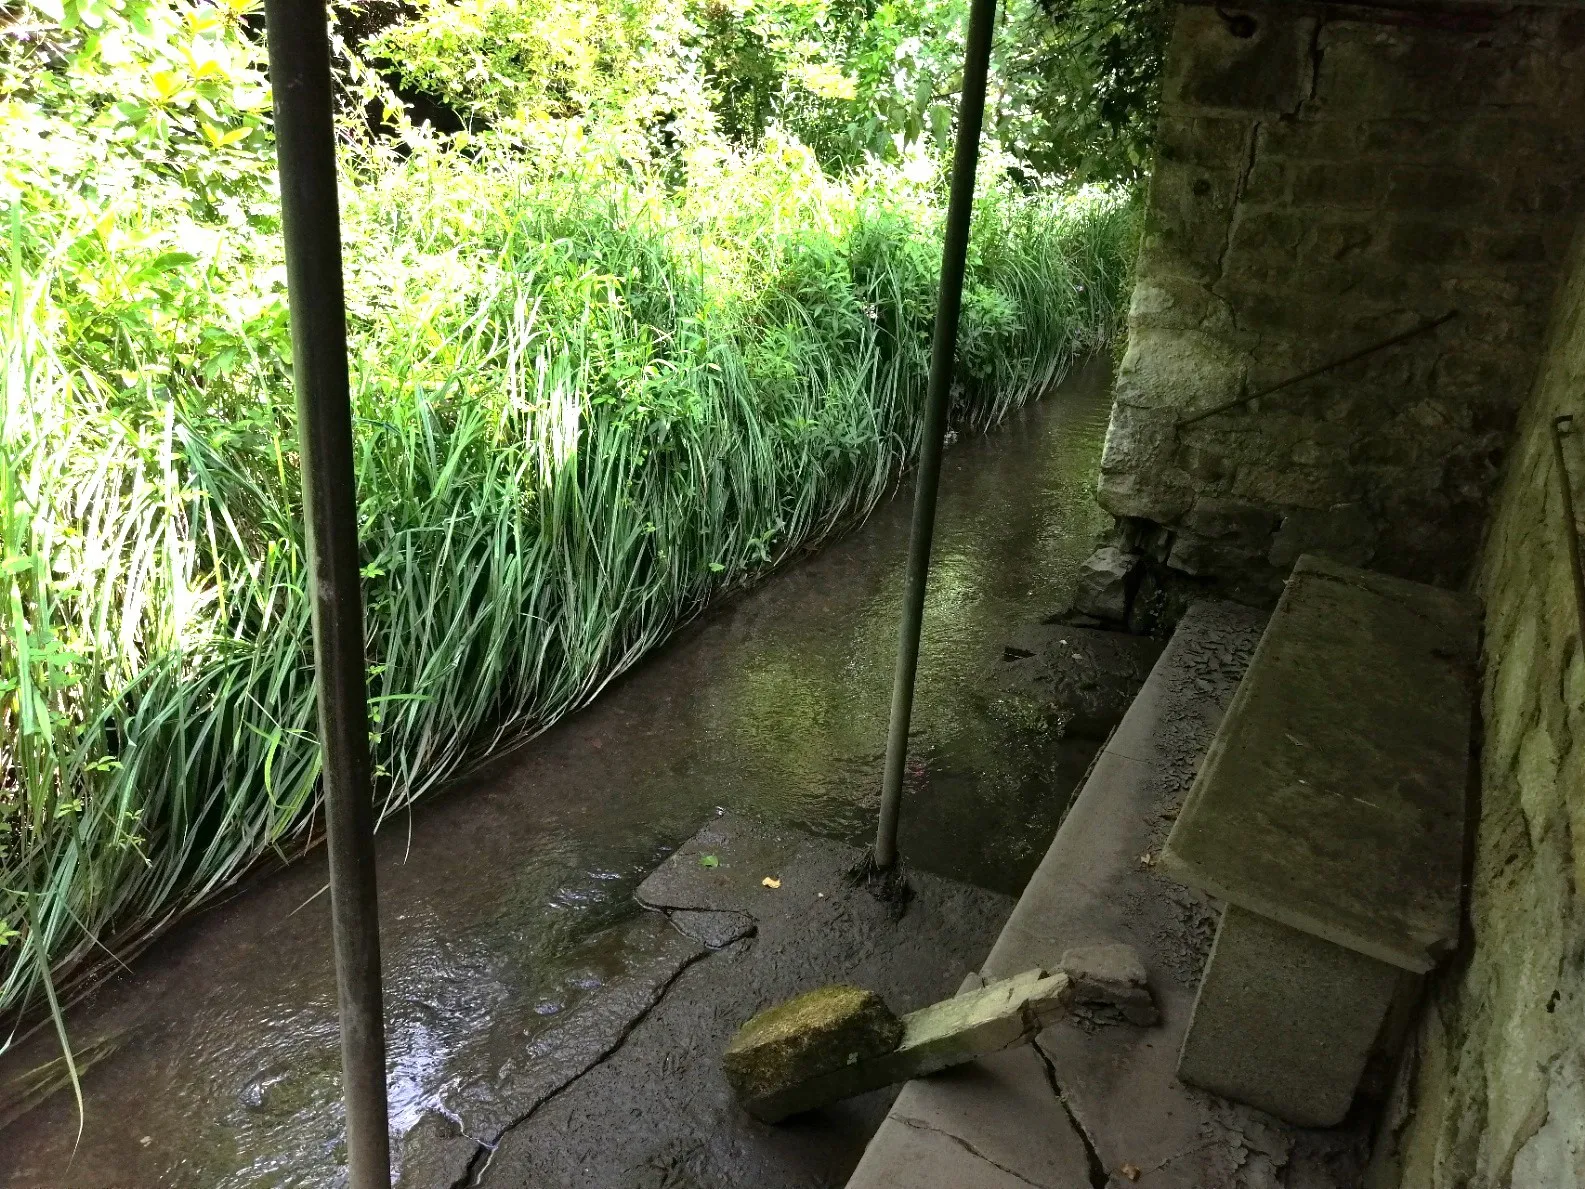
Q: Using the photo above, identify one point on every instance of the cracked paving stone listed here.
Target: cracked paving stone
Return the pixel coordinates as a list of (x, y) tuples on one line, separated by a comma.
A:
[(656, 1111)]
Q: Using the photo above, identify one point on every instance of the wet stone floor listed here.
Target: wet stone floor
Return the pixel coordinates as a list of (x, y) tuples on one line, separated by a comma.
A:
[(515, 950)]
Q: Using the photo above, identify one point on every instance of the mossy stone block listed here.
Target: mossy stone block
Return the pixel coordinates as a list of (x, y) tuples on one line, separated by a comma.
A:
[(811, 1034)]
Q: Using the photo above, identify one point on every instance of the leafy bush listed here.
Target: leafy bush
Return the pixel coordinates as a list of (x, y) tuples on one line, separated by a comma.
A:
[(1072, 94), (591, 394)]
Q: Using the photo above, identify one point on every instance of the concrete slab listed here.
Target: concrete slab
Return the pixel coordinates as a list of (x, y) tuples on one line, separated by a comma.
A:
[(1114, 1088), (1333, 798), (994, 1124)]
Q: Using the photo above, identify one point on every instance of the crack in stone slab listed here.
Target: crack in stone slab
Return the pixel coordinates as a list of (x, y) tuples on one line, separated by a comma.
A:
[(1235, 205), (921, 1125), (1098, 1174), (476, 1170)]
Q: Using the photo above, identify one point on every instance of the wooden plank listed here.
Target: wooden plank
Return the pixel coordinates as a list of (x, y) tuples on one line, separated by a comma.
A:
[(978, 1022)]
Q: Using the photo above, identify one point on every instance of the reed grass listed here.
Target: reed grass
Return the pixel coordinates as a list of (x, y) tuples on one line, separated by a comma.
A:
[(586, 406)]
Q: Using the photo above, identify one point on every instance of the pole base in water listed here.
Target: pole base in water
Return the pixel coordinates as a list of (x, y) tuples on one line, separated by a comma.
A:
[(889, 885)]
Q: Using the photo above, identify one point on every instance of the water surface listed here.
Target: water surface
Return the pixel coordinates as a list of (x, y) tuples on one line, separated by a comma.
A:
[(504, 900)]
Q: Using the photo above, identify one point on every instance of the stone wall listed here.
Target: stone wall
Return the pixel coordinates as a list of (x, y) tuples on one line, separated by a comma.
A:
[(1492, 1093), (1329, 176)]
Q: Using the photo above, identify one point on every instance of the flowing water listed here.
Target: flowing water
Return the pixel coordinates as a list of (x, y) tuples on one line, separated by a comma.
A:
[(506, 900)]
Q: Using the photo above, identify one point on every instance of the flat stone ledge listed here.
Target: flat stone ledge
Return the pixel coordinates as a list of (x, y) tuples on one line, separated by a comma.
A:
[(1332, 798), (1092, 1104)]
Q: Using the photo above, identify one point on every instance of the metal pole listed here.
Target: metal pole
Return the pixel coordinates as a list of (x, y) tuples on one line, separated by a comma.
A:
[(299, 49), (944, 349)]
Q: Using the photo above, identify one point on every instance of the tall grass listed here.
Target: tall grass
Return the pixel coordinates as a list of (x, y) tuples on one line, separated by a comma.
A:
[(585, 406)]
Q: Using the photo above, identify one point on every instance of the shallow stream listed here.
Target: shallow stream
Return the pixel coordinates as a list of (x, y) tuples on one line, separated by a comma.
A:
[(504, 899)]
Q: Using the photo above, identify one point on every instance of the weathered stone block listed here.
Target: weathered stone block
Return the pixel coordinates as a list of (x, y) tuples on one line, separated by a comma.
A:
[(1224, 519), (1547, 144), (1469, 375), (1433, 189), (973, 1024), (1206, 464), (1136, 438), (1375, 71), (1344, 532), (1428, 240), (1213, 70), (814, 1033), (1516, 247), (1267, 181), (1305, 487), (1284, 1021), (1299, 139), (1537, 194), (1109, 982), (1200, 557), (1106, 584), (1209, 143), (1358, 184), (1412, 140), (1184, 199), (1162, 495), (1333, 240), (1161, 367), (1175, 303), (1276, 233)]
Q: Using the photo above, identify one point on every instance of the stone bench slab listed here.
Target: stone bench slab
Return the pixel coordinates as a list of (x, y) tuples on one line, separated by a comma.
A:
[(1332, 799)]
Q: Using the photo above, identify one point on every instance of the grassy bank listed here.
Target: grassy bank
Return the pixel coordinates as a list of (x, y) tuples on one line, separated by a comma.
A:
[(587, 403)]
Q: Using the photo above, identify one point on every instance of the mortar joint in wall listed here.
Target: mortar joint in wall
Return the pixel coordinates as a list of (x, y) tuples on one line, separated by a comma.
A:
[(1236, 205)]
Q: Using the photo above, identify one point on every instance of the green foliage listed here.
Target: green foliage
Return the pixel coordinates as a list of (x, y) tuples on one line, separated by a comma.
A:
[(1082, 84), (1072, 93), (499, 60), (595, 387)]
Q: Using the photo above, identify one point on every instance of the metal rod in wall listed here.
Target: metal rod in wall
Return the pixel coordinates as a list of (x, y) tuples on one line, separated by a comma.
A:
[(938, 397), (1561, 425), (1424, 327), (299, 51)]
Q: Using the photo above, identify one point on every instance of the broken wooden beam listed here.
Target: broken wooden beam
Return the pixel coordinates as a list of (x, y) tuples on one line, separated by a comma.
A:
[(836, 1042)]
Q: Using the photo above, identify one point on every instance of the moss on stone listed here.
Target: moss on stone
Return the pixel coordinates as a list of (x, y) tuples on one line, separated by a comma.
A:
[(810, 1034)]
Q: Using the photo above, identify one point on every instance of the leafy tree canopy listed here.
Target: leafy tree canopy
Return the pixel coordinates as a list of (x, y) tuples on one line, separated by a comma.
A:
[(1073, 94)]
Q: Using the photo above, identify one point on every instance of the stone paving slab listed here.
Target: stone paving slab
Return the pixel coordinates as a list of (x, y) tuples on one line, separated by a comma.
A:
[(655, 1110), (1332, 799), (1113, 1087)]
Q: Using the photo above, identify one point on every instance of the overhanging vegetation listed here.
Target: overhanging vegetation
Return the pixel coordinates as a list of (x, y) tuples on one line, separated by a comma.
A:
[(605, 369)]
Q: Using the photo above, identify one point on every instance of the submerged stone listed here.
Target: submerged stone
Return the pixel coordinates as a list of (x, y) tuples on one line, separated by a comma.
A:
[(811, 1034)]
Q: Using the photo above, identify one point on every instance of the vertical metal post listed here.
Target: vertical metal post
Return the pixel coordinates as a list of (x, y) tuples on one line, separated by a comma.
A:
[(299, 50), (944, 349)]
